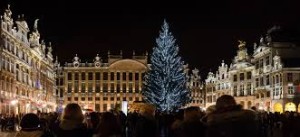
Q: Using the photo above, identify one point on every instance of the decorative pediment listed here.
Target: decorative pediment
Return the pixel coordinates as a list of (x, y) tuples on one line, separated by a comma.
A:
[(97, 61), (76, 61), (127, 64)]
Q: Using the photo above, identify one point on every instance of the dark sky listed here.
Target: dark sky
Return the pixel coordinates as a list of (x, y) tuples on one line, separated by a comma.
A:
[(206, 31)]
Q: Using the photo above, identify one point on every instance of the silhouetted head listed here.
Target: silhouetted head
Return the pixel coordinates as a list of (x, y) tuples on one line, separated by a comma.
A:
[(192, 113), (30, 121), (225, 101), (73, 112)]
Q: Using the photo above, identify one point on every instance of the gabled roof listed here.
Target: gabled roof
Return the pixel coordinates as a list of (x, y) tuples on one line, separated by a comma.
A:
[(259, 49)]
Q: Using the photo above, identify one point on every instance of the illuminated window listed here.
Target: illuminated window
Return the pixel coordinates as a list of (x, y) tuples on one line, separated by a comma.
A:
[(90, 87), (290, 89), (97, 86), (82, 87), (69, 87), (76, 87)]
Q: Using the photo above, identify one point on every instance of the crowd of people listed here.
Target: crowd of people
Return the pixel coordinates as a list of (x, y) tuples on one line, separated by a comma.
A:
[(225, 119)]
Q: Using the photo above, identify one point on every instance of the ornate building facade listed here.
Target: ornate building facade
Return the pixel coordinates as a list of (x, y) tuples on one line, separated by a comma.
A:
[(222, 80), (210, 90), (240, 75), (268, 79), (27, 76), (235, 80), (102, 86), (277, 74), (196, 87)]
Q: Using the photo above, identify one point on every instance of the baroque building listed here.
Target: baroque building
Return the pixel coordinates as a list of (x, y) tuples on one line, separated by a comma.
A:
[(277, 73), (268, 79), (210, 90), (240, 75), (222, 80), (196, 88), (101, 86), (27, 76)]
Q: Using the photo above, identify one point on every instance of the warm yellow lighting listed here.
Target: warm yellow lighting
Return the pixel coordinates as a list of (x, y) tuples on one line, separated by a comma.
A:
[(14, 102)]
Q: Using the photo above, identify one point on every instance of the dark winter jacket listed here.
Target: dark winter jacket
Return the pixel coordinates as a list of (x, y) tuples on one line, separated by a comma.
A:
[(145, 127), (68, 128), (192, 129), (232, 122)]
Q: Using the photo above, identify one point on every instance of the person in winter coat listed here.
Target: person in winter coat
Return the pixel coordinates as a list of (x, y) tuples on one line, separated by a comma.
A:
[(108, 126), (71, 123), (230, 120), (191, 125), (30, 126)]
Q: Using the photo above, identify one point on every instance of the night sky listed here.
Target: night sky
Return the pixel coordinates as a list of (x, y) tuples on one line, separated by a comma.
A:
[(206, 31)]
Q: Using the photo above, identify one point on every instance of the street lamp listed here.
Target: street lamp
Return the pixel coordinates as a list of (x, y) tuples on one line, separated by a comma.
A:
[(13, 103)]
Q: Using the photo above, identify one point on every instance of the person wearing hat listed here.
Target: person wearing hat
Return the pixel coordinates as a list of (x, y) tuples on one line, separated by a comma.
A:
[(30, 126)]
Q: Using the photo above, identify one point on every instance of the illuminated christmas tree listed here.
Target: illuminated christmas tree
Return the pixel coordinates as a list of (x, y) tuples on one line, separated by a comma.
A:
[(165, 82)]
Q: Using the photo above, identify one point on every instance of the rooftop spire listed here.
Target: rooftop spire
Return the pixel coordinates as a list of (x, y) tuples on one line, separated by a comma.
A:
[(56, 60), (261, 39), (242, 44), (35, 27), (254, 45), (7, 14)]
